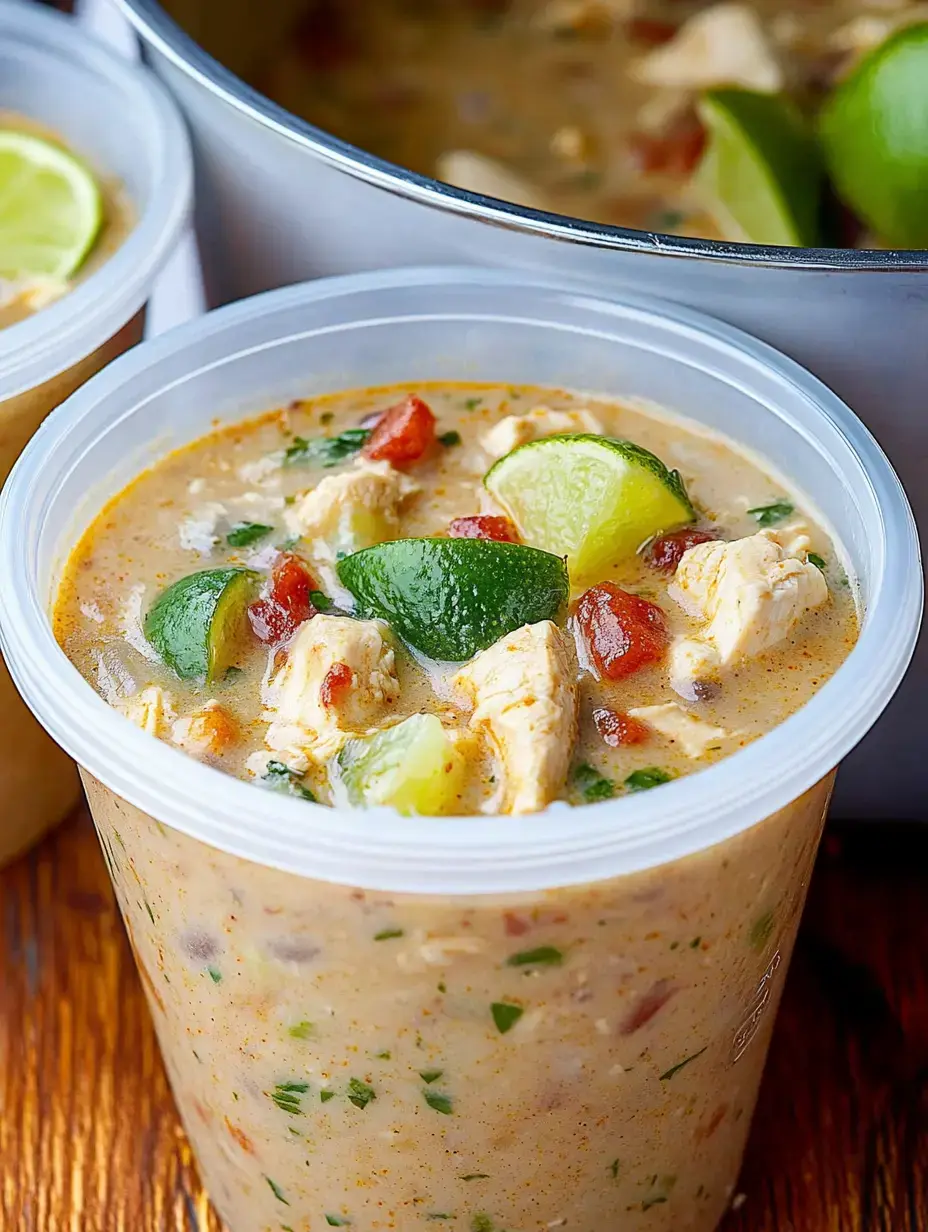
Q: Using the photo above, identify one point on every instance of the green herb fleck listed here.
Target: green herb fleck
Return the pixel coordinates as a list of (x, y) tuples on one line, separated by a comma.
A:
[(302, 1030), (471, 404), (592, 785), (215, 974), (326, 451), (482, 1223), (243, 534), (286, 1095), (232, 673), (449, 438), (770, 515), (661, 1191), (505, 1015), (282, 778), (326, 417), (336, 1221), (387, 934), (325, 1096), (383, 1056), (439, 1215), (321, 601), (675, 1069), (543, 956), (442, 987), (696, 943), (818, 561), (761, 931), (667, 220), (287, 545), (475, 1176), (296, 1133), (285, 1227), (151, 914), (614, 1169), (439, 1102), (290, 500), (674, 945), (642, 780), (359, 1093), (277, 1191), (430, 1075)]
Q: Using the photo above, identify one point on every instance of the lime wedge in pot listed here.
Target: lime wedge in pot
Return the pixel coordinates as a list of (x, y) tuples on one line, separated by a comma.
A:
[(415, 767), (450, 598), (199, 625), (51, 209), (761, 175), (874, 131), (593, 499)]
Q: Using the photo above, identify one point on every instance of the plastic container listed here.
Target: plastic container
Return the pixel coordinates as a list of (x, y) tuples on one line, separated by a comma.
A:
[(327, 985), (53, 74)]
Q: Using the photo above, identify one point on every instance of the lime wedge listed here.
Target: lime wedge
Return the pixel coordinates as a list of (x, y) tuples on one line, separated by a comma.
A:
[(199, 625), (761, 174), (874, 131), (51, 209), (450, 598), (414, 767), (593, 499)]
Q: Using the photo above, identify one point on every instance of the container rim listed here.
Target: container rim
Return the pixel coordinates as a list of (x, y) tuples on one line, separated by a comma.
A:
[(36, 349), (377, 849), (165, 35)]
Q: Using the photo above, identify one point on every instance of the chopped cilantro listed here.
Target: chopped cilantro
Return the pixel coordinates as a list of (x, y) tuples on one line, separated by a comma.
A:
[(696, 943), (439, 1215), (642, 780), (543, 956), (430, 1075), (449, 438), (675, 1069), (614, 1169), (505, 1015), (387, 934), (383, 1056), (818, 561), (770, 515), (325, 1096), (471, 404), (282, 778), (320, 601), (482, 1223), (215, 974), (761, 931), (277, 1191), (592, 785), (336, 1221), (290, 500), (243, 534), (359, 1093), (475, 1176), (326, 451), (438, 1101), (233, 673), (286, 1095), (288, 544), (151, 914), (302, 1030)]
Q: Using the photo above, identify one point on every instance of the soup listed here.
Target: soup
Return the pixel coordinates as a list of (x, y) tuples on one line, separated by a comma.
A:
[(364, 599)]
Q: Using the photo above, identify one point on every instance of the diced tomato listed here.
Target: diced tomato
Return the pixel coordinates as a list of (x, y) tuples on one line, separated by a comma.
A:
[(337, 679), (649, 32), (484, 526), (619, 729), (674, 153), (620, 632), (277, 615), (665, 552), (515, 925), (402, 434)]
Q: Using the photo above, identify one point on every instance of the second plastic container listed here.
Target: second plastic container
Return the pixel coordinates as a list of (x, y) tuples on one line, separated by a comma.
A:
[(336, 993)]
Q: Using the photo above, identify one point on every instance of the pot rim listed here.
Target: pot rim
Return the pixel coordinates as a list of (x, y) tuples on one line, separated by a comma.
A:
[(164, 34)]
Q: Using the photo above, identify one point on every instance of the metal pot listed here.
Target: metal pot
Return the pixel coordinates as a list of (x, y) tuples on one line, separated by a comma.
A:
[(280, 201)]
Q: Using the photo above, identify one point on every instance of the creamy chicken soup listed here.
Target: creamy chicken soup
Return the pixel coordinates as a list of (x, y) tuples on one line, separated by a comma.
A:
[(457, 598), (589, 108)]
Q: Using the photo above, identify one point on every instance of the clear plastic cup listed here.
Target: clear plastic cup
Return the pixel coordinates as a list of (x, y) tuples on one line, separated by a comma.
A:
[(327, 984), (119, 118)]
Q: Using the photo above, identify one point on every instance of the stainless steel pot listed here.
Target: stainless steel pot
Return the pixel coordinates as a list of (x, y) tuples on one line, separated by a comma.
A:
[(280, 201)]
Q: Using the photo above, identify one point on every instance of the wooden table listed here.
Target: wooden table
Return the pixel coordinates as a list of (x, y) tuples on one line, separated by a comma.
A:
[(90, 1142)]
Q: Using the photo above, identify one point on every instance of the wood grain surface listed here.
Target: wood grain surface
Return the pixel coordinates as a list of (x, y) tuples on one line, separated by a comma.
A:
[(90, 1142)]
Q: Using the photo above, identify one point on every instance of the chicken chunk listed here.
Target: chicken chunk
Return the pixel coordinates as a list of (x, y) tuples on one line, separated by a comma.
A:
[(680, 727), (352, 510), (750, 593), (209, 732), (541, 421), (478, 174), (524, 693), (152, 709), (338, 679), (724, 45)]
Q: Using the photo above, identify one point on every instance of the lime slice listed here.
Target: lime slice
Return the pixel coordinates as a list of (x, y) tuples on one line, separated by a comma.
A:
[(51, 209), (450, 598), (761, 174), (592, 499), (414, 767), (874, 131), (200, 624)]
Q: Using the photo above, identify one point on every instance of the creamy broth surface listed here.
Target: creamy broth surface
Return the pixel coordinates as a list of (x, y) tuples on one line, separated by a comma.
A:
[(174, 520)]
